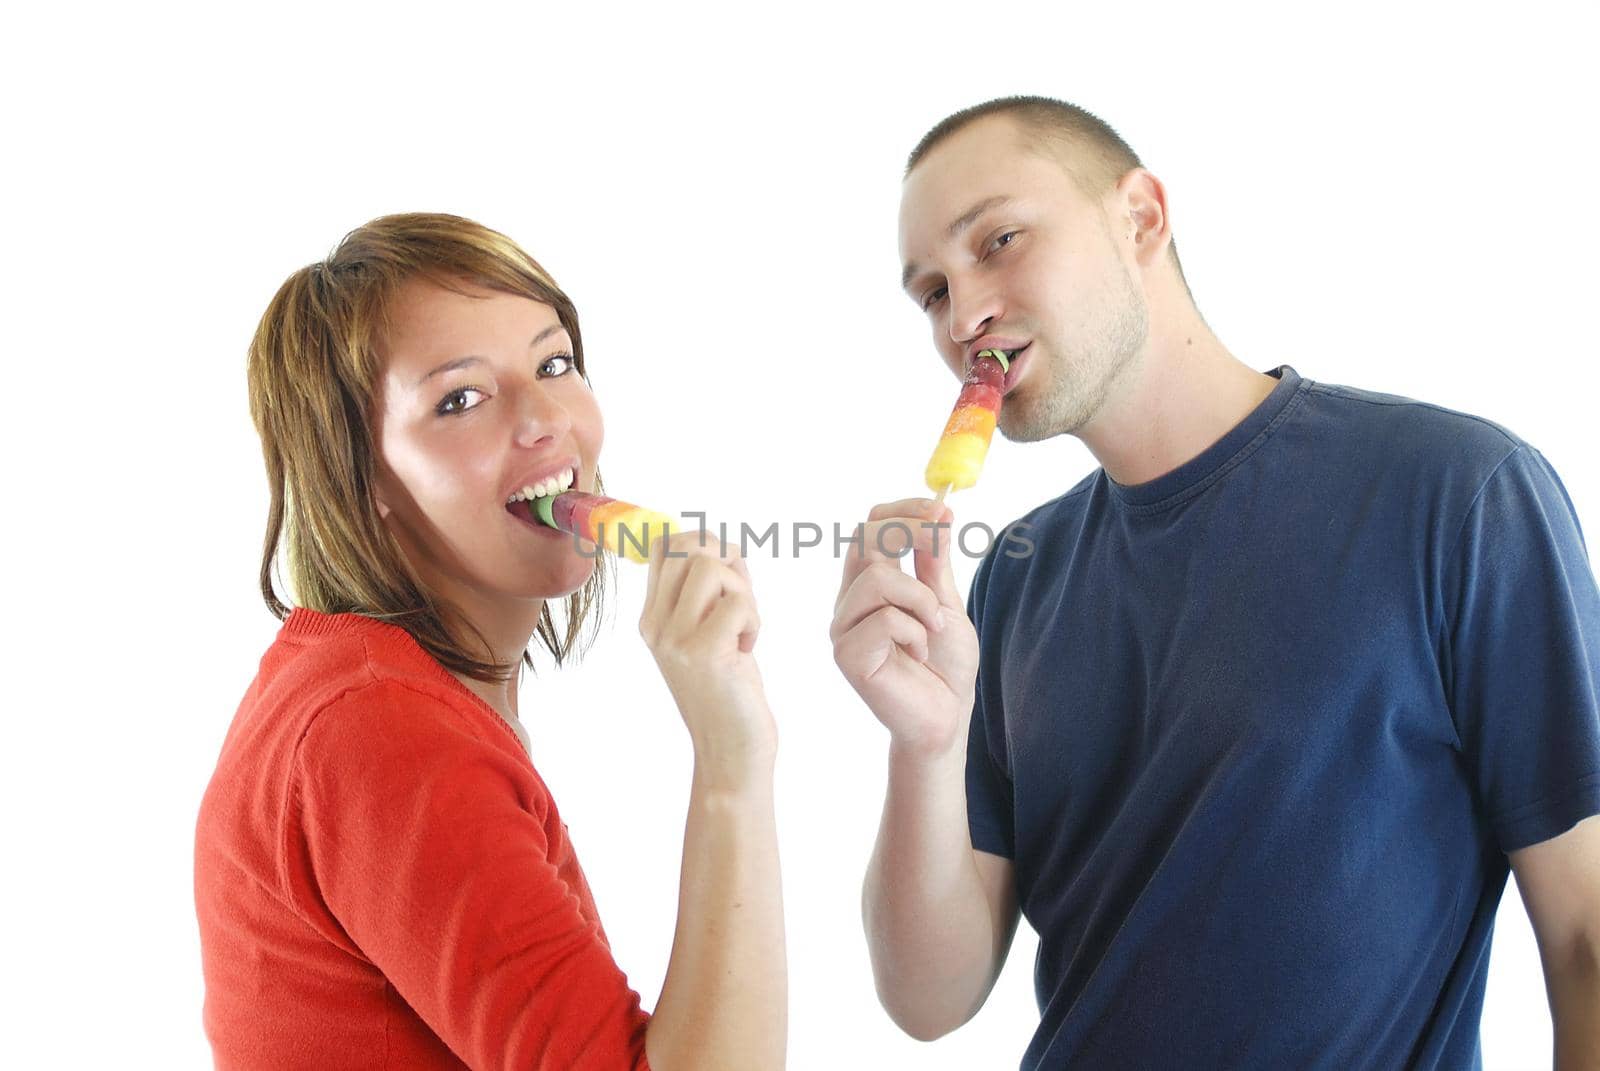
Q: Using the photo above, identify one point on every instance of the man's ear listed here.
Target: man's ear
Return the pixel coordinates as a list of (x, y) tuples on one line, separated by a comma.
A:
[(1145, 223)]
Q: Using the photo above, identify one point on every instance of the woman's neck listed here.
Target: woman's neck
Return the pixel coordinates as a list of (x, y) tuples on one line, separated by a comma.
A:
[(501, 695), (507, 628)]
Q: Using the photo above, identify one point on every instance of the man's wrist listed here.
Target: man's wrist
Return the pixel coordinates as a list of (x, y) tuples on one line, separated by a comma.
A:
[(919, 759)]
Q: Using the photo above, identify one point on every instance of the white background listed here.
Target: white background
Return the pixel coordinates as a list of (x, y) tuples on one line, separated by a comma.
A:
[(1397, 199)]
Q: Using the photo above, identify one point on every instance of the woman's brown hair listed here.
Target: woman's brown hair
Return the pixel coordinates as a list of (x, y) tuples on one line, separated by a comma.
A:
[(314, 365)]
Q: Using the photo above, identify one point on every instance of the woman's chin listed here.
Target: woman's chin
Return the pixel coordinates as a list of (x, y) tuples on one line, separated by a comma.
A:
[(560, 582), (552, 568)]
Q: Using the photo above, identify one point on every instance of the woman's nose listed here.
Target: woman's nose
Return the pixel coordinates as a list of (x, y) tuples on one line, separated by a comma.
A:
[(540, 417)]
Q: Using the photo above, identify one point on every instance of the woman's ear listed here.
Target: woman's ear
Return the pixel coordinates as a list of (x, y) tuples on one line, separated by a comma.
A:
[(380, 492)]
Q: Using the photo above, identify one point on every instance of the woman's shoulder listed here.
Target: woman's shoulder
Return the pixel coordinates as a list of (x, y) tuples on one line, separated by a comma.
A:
[(334, 684)]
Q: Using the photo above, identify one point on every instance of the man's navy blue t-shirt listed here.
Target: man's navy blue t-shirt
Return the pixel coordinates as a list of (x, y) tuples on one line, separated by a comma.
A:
[(1258, 734)]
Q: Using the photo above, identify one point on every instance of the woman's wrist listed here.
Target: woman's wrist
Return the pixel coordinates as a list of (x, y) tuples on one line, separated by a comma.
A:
[(742, 773)]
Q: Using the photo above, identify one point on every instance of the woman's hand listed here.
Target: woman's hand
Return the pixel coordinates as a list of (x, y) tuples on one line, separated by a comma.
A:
[(700, 623)]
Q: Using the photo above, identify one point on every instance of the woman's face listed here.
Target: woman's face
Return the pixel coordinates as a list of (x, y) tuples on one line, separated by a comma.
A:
[(479, 397)]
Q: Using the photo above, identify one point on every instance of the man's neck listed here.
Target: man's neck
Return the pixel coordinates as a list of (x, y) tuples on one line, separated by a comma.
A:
[(1179, 397)]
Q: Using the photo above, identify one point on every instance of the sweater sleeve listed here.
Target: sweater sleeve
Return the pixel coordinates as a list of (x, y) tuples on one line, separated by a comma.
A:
[(434, 851)]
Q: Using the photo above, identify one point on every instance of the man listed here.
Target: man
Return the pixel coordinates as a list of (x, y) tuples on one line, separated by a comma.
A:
[(1250, 721)]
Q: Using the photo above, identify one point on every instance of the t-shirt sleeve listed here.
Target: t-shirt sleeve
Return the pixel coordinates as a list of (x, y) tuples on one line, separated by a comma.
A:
[(1522, 653), (430, 846), (990, 817)]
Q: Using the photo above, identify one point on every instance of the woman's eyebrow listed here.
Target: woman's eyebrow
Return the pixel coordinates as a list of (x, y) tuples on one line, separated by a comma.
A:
[(464, 362), (450, 366)]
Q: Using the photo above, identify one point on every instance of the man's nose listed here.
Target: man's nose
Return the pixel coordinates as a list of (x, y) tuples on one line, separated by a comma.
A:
[(973, 308), (541, 418)]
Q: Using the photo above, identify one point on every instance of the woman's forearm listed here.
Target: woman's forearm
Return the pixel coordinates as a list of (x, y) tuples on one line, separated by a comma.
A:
[(724, 1003)]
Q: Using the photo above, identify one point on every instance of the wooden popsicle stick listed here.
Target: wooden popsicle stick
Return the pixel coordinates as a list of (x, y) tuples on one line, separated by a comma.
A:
[(939, 500)]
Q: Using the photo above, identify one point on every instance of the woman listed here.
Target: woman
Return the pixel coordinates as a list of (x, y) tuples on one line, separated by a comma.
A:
[(381, 876)]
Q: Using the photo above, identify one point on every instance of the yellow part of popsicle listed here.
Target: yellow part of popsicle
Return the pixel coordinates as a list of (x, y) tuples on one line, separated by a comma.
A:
[(957, 460), (627, 529)]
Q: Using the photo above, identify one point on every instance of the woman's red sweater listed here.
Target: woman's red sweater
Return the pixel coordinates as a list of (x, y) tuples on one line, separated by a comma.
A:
[(383, 880)]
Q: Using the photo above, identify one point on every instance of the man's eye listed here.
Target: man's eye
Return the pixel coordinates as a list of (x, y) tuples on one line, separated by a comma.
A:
[(931, 297), (562, 362), (457, 401)]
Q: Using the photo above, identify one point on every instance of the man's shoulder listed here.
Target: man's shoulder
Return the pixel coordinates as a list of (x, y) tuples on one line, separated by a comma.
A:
[(1411, 429)]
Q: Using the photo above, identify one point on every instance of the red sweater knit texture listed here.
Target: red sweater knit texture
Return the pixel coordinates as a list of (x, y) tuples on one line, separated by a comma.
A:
[(383, 881)]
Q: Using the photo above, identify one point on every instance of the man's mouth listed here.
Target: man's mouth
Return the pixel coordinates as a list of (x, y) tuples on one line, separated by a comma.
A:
[(1011, 362), (1006, 353)]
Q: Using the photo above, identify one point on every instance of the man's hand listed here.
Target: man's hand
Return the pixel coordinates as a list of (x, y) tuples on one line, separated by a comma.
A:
[(902, 641)]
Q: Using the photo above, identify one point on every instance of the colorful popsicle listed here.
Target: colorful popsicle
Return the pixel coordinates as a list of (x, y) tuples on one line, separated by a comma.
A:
[(958, 458), (619, 527)]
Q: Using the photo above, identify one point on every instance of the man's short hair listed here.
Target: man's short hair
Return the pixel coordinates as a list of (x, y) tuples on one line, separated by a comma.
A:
[(1092, 153)]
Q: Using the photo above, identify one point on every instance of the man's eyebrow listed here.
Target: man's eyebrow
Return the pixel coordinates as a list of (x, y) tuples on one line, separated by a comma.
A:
[(464, 362), (957, 225), (967, 218)]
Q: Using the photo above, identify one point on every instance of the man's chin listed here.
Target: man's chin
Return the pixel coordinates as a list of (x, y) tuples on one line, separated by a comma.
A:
[(1024, 426)]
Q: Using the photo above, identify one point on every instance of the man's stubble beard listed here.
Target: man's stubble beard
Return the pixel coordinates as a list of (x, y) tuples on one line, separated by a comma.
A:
[(1078, 383)]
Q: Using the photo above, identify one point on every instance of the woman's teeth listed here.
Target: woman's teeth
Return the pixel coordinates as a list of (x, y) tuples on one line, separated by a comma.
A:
[(559, 482)]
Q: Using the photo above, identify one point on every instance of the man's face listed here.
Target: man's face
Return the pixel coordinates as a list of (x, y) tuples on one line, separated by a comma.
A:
[(1001, 250)]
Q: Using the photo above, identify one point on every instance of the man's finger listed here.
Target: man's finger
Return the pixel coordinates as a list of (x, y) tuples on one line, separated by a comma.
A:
[(935, 568), (864, 649), (885, 586), (922, 508), (886, 540)]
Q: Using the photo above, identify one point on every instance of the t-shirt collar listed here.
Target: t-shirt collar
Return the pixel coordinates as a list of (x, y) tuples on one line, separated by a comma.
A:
[(1215, 459)]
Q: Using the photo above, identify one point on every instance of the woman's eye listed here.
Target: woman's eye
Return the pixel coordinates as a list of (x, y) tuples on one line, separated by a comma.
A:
[(931, 298), (561, 362), (457, 401)]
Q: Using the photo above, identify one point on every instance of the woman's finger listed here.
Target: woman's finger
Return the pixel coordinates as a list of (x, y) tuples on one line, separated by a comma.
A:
[(652, 585), (679, 552), (732, 618), (707, 580)]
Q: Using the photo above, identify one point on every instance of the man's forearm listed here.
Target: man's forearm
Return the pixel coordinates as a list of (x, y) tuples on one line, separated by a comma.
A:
[(1574, 988), (928, 923)]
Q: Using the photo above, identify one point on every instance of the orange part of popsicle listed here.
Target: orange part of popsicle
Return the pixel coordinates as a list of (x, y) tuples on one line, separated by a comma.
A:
[(958, 458)]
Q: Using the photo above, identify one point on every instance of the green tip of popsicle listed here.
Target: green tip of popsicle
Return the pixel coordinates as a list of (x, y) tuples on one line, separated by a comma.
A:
[(1005, 364), (541, 506)]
